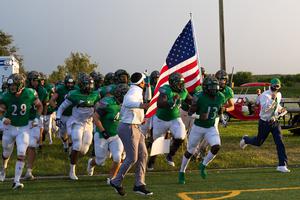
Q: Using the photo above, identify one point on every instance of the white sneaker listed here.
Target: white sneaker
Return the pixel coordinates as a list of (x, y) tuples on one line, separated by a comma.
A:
[(2, 176), (28, 176), (243, 143), (73, 176), (17, 185), (283, 169), (90, 169)]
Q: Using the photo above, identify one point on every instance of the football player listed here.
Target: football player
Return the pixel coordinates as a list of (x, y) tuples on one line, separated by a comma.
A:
[(35, 133), (106, 139), (57, 98), (15, 105), (80, 124), (168, 114), (206, 105)]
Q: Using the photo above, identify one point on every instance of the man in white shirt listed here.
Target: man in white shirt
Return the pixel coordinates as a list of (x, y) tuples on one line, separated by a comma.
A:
[(268, 122), (132, 116)]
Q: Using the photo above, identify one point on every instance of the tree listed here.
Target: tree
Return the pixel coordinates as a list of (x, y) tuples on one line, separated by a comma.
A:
[(242, 77), (7, 48), (74, 64)]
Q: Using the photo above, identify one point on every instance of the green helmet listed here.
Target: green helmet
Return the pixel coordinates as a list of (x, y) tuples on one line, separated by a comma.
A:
[(275, 84), (16, 83), (120, 91), (275, 81), (85, 83), (176, 82), (210, 85)]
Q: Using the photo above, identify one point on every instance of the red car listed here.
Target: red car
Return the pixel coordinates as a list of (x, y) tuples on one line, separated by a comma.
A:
[(245, 107)]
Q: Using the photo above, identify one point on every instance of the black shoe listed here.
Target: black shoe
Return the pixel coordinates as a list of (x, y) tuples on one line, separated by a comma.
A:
[(119, 189), (142, 190), (170, 161)]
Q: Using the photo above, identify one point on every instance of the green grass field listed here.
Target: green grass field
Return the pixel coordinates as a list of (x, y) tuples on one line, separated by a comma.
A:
[(237, 184), (248, 183)]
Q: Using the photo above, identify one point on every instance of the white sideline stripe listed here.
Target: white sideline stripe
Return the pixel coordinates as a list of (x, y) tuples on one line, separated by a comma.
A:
[(151, 172)]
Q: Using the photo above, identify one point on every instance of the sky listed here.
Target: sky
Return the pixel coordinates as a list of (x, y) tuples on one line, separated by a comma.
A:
[(261, 36)]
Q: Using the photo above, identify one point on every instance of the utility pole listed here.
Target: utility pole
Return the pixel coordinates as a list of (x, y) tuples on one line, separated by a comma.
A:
[(222, 38)]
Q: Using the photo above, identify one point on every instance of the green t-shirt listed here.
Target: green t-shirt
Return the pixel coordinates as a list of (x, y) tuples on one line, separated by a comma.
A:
[(18, 108), (168, 114), (43, 96), (205, 104), (228, 93), (109, 112)]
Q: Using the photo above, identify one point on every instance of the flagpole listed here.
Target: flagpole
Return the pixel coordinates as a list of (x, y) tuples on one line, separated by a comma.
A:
[(196, 47)]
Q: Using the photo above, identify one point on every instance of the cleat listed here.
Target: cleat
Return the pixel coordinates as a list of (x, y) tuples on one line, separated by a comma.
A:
[(181, 178), (150, 166), (142, 190), (90, 169), (2, 176), (119, 189), (203, 172), (29, 176), (243, 143), (170, 161), (283, 169), (73, 176), (17, 185)]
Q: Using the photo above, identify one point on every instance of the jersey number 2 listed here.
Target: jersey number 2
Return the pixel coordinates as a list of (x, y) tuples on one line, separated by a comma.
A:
[(22, 110)]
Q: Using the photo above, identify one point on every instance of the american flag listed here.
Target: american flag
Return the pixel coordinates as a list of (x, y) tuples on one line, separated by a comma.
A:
[(181, 58)]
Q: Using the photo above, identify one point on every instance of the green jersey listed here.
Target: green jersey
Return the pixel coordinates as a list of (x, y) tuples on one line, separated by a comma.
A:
[(184, 105), (104, 90), (43, 96), (168, 114), (83, 105), (62, 91), (18, 108), (206, 104), (228, 93), (109, 112), (50, 90)]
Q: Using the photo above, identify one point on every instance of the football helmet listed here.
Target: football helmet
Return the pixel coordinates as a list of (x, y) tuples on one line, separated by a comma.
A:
[(16, 83), (85, 83), (98, 78), (154, 77), (121, 76), (222, 77), (176, 82), (120, 91), (210, 85), (109, 78), (69, 82)]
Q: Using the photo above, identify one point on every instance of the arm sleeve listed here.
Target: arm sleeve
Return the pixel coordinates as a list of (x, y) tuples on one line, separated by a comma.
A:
[(65, 104)]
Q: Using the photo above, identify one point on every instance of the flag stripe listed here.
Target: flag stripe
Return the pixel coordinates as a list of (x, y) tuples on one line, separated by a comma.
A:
[(182, 58)]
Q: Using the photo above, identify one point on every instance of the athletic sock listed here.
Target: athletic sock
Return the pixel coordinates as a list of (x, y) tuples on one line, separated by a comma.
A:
[(18, 170)]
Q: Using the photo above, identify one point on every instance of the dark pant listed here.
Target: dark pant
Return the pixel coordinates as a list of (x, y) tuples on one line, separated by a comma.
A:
[(264, 128)]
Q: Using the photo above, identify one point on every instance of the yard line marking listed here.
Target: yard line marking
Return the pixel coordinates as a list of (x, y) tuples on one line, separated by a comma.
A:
[(232, 193)]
